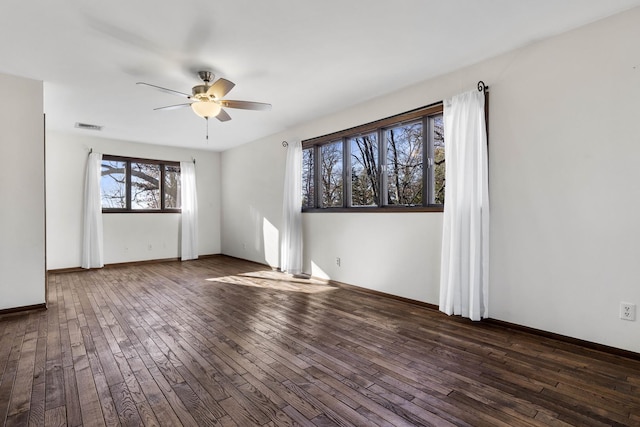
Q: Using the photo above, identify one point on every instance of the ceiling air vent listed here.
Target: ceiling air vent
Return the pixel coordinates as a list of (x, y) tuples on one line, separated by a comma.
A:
[(87, 126)]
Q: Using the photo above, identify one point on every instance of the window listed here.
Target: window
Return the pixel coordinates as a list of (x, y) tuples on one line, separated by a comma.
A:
[(145, 186), (405, 166), (365, 179), (171, 187), (392, 164), (139, 185), (332, 179), (113, 184)]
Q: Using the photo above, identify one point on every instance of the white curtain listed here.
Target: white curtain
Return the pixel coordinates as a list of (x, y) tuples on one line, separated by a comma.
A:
[(92, 256), (291, 243), (464, 281), (189, 206)]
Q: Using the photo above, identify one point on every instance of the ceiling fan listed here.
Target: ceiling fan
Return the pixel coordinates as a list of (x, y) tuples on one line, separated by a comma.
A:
[(206, 100)]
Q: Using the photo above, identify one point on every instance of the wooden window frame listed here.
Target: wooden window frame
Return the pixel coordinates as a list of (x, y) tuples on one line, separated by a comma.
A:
[(128, 161), (379, 126)]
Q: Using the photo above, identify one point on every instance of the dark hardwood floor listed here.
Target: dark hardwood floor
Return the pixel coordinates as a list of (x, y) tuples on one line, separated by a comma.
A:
[(221, 341)]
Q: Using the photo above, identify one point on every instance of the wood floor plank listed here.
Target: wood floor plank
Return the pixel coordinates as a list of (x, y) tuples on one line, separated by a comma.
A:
[(56, 417), (162, 408), (221, 341), (238, 413), (484, 412), (333, 405), (147, 416), (90, 406), (106, 396), (22, 387), (18, 420), (8, 330), (201, 386), (127, 411), (39, 368), (177, 405), (6, 387), (373, 402), (195, 405), (60, 382), (36, 409), (268, 376), (71, 398)]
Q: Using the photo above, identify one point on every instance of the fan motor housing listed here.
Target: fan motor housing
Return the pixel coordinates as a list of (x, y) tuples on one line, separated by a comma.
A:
[(200, 92)]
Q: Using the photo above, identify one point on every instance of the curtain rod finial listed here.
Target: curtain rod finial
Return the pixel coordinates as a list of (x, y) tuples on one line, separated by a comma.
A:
[(482, 87), (285, 144)]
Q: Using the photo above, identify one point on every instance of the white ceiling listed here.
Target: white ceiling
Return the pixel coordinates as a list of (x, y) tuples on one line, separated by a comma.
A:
[(307, 58)]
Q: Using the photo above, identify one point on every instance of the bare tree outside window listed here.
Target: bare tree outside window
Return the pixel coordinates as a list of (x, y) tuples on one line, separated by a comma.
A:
[(365, 179), (172, 187), (308, 178), (134, 185), (405, 164), (113, 184), (393, 164), (437, 126), (145, 186), (332, 182)]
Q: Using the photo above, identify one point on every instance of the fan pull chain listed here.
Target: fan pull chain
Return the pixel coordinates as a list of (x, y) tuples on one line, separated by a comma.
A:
[(207, 119)]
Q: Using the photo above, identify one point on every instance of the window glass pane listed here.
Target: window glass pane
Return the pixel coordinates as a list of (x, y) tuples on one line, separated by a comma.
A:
[(172, 187), (331, 174), (308, 188), (365, 183), (437, 127), (145, 186), (404, 164), (113, 184)]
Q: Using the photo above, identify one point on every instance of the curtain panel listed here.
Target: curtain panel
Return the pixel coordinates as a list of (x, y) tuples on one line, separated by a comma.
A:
[(291, 243), (189, 207), (92, 241), (464, 281)]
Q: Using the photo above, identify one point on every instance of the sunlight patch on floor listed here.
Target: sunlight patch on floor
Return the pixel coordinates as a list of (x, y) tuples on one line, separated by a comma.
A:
[(276, 280)]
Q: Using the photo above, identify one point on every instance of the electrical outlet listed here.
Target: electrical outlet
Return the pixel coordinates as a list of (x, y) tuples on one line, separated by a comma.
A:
[(338, 261), (627, 311)]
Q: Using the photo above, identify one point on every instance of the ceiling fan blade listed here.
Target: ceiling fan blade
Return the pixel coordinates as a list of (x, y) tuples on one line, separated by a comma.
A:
[(223, 116), (164, 89), (220, 88), (246, 105), (172, 107)]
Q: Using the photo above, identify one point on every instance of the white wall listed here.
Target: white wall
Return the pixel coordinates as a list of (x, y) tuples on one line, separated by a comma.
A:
[(127, 237), (252, 182), (22, 188), (564, 186)]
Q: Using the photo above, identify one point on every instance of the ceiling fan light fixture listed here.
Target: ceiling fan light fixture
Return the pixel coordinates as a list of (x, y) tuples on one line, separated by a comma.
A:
[(206, 109), (207, 100)]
